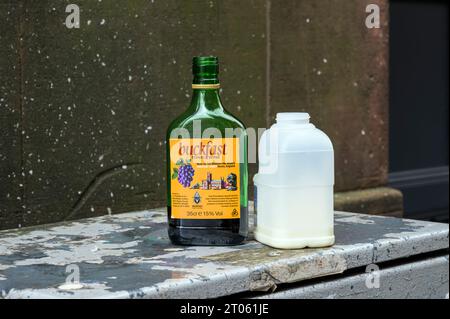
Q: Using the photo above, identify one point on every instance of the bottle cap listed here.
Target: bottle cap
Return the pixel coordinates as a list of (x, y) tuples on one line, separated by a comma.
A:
[(293, 117)]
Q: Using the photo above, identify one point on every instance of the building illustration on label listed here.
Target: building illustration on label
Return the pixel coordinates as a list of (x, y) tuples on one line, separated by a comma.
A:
[(209, 183)]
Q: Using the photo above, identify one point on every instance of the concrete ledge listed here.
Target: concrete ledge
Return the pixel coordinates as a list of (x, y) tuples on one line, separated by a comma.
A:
[(130, 256), (374, 201)]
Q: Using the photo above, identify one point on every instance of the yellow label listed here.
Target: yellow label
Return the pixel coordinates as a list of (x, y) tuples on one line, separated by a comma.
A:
[(205, 178)]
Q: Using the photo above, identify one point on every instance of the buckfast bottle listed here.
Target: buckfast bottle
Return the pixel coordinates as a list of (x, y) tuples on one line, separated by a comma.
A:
[(207, 167)]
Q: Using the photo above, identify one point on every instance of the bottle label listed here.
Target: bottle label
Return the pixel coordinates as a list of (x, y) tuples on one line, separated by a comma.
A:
[(205, 178)]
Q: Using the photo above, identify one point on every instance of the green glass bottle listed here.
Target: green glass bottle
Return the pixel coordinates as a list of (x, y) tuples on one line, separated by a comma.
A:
[(207, 174)]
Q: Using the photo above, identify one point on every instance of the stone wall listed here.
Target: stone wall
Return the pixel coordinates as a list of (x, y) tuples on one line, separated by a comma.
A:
[(83, 112)]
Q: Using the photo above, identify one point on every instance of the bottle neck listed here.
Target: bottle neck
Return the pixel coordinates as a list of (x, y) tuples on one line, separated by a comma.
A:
[(206, 99)]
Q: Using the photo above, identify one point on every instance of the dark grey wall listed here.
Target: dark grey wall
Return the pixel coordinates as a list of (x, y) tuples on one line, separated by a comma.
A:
[(83, 112)]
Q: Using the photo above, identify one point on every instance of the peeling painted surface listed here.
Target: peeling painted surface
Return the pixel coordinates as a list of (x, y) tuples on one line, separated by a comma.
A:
[(129, 256)]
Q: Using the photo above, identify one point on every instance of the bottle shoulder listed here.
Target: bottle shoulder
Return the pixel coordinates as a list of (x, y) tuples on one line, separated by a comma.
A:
[(214, 119), (235, 120)]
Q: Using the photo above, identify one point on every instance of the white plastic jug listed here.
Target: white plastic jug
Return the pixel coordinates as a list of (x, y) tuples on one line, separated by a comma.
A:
[(294, 185)]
